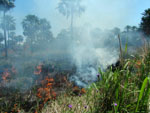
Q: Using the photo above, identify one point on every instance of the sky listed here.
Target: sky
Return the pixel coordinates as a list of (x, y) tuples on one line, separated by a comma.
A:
[(104, 14)]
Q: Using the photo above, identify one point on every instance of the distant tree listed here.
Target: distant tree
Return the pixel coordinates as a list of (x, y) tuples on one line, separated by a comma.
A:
[(1, 40), (1, 37), (134, 28), (64, 34), (12, 35), (9, 23), (71, 8), (45, 34), (18, 39), (116, 31), (10, 26), (30, 26), (15, 39), (6, 5), (15, 42), (145, 22), (128, 28), (37, 31)]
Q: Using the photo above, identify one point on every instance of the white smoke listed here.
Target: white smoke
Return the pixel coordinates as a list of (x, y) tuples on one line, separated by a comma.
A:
[(88, 58), (88, 52)]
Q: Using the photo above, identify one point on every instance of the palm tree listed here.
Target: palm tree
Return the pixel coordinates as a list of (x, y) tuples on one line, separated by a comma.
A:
[(9, 25), (70, 9), (128, 28), (6, 5), (134, 28), (30, 28)]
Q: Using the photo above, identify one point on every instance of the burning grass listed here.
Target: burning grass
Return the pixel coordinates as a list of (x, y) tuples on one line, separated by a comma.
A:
[(124, 89), (31, 93)]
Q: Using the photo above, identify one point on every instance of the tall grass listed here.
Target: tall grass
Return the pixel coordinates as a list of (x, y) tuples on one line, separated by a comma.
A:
[(125, 90)]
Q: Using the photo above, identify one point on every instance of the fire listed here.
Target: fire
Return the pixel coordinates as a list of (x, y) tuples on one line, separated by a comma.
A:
[(77, 91), (6, 75), (49, 79), (46, 84), (83, 91), (38, 69), (46, 93)]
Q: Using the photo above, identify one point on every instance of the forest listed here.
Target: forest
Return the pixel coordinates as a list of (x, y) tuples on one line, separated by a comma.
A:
[(49, 68)]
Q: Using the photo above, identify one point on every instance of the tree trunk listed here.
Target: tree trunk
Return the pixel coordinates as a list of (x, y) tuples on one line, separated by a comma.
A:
[(5, 38), (8, 39)]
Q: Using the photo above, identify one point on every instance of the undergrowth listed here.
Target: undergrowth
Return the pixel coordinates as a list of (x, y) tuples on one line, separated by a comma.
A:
[(123, 90)]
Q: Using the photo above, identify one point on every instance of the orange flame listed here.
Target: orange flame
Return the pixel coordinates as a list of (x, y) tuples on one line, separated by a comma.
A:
[(38, 70), (6, 75), (83, 91), (45, 92)]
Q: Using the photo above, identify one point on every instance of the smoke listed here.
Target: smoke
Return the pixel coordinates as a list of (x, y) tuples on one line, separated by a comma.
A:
[(94, 48), (88, 54), (91, 48)]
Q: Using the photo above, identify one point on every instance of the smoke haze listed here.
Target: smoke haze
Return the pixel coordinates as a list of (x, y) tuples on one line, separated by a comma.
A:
[(94, 44)]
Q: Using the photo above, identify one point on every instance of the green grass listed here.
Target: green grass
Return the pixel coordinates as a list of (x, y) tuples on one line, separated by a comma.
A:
[(126, 90)]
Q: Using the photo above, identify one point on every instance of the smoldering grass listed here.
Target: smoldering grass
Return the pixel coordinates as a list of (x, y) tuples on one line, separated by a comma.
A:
[(119, 91), (122, 90)]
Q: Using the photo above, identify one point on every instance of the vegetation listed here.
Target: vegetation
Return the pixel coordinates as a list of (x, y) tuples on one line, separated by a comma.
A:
[(126, 89), (71, 8), (145, 23), (5, 6), (37, 32), (35, 67)]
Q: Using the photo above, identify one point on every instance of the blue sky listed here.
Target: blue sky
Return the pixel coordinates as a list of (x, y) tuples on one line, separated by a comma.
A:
[(104, 14)]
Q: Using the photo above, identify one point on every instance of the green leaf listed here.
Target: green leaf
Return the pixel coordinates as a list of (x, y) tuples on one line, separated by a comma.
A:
[(126, 47), (95, 86), (126, 65), (101, 73), (141, 92), (117, 93)]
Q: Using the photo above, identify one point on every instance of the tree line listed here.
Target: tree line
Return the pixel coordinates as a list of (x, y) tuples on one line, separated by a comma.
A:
[(37, 31)]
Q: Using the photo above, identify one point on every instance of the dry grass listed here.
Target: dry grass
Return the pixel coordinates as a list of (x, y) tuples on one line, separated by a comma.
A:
[(80, 104)]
